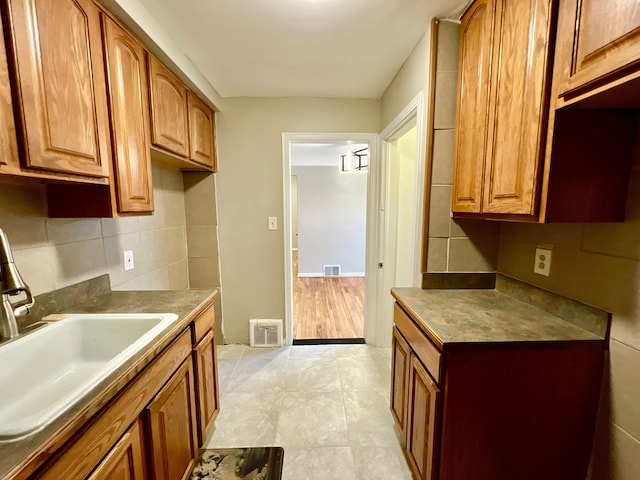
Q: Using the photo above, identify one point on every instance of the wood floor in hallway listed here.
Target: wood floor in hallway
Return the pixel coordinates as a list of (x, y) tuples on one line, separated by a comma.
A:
[(327, 307)]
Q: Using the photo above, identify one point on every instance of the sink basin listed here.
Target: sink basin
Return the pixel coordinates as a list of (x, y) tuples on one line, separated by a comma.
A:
[(47, 371)]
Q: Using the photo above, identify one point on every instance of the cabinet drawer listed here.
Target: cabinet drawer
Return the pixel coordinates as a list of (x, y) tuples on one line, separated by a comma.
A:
[(426, 351), (202, 324)]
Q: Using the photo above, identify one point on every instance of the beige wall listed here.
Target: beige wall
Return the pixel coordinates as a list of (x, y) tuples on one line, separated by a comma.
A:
[(598, 264), (250, 189), (454, 245), (53, 253), (413, 77), (202, 237)]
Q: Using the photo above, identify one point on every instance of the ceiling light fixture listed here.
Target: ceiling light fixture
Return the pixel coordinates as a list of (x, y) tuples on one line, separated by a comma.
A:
[(355, 161)]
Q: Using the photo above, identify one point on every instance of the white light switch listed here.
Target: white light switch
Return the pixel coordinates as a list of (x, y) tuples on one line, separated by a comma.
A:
[(273, 223), (542, 265), (128, 260)]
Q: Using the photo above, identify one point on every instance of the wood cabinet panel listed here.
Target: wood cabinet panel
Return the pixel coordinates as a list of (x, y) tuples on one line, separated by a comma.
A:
[(8, 144), (128, 100), (422, 421), (203, 324), (504, 410), (400, 358), (172, 427), (169, 115), (126, 460), (60, 80), (207, 392), (473, 98), (83, 452), (607, 39), (201, 133), (518, 106), (426, 351)]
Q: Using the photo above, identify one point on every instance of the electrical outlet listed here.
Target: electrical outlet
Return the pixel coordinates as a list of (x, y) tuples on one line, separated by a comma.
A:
[(128, 260), (542, 265), (273, 223)]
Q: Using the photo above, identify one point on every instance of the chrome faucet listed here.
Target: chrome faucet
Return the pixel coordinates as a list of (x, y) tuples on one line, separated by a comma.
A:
[(11, 284)]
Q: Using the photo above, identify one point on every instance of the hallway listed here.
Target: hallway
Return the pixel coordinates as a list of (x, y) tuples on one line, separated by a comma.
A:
[(327, 307), (327, 405)]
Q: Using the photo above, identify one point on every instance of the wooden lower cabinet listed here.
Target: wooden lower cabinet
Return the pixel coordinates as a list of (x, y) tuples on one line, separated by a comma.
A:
[(423, 416), (154, 426), (126, 461), (498, 411), (171, 420), (208, 399), (400, 358)]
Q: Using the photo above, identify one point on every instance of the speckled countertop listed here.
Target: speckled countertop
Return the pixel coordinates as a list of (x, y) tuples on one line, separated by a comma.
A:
[(451, 317), (20, 457)]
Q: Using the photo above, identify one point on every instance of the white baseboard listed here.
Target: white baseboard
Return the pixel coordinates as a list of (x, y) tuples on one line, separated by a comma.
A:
[(311, 275)]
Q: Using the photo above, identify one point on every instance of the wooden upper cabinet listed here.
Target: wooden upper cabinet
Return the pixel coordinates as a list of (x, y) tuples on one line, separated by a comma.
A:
[(8, 144), (169, 116), (128, 101), (607, 41), (518, 105), (503, 102), (473, 98), (57, 48), (201, 133)]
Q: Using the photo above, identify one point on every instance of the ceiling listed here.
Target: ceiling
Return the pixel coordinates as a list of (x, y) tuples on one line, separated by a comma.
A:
[(299, 48)]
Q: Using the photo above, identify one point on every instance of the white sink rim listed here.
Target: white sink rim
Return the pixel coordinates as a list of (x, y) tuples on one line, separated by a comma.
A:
[(13, 429)]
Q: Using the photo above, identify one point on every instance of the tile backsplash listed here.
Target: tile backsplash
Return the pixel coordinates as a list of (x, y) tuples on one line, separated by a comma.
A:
[(52, 253)]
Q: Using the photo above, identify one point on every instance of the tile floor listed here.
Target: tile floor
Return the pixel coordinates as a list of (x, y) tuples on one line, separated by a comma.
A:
[(327, 405)]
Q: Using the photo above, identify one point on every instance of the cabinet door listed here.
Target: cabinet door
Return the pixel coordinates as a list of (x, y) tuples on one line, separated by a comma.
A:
[(128, 101), (208, 399), (472, 110), (607, 39), (423, 419), (172, 426), (125, 461), (61, 81), (8, 144), (518, 105), (169, 116), (201, 133), (400, 355)]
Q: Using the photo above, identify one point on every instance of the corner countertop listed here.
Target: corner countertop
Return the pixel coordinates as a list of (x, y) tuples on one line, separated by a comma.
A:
[(20, 458), (466, 316)]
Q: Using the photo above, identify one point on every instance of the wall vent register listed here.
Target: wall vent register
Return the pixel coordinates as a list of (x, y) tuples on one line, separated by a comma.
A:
[(331, 270), (265, 332)]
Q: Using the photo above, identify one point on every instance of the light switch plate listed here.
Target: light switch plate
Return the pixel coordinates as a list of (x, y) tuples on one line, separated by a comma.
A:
[(128, 260), (273, 223), (542, 264)]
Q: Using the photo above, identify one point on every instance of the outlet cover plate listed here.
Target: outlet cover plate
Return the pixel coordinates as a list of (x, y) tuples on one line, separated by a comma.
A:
[(542, 264), (128, 260)]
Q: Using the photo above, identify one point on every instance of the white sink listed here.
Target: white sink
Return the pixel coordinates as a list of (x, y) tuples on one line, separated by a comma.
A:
[(45, 372)]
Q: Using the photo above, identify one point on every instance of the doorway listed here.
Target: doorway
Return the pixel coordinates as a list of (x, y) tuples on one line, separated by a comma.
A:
[(327, 229), (402, 186)]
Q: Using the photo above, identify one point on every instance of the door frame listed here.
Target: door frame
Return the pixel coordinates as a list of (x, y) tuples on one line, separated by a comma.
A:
[(371, 257), (415, 109)]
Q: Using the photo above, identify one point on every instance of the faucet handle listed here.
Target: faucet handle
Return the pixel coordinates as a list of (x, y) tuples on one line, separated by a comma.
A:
[(22, 307)]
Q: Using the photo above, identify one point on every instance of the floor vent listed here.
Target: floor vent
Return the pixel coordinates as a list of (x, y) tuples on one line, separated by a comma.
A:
[(265, 332), (331, 270)]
